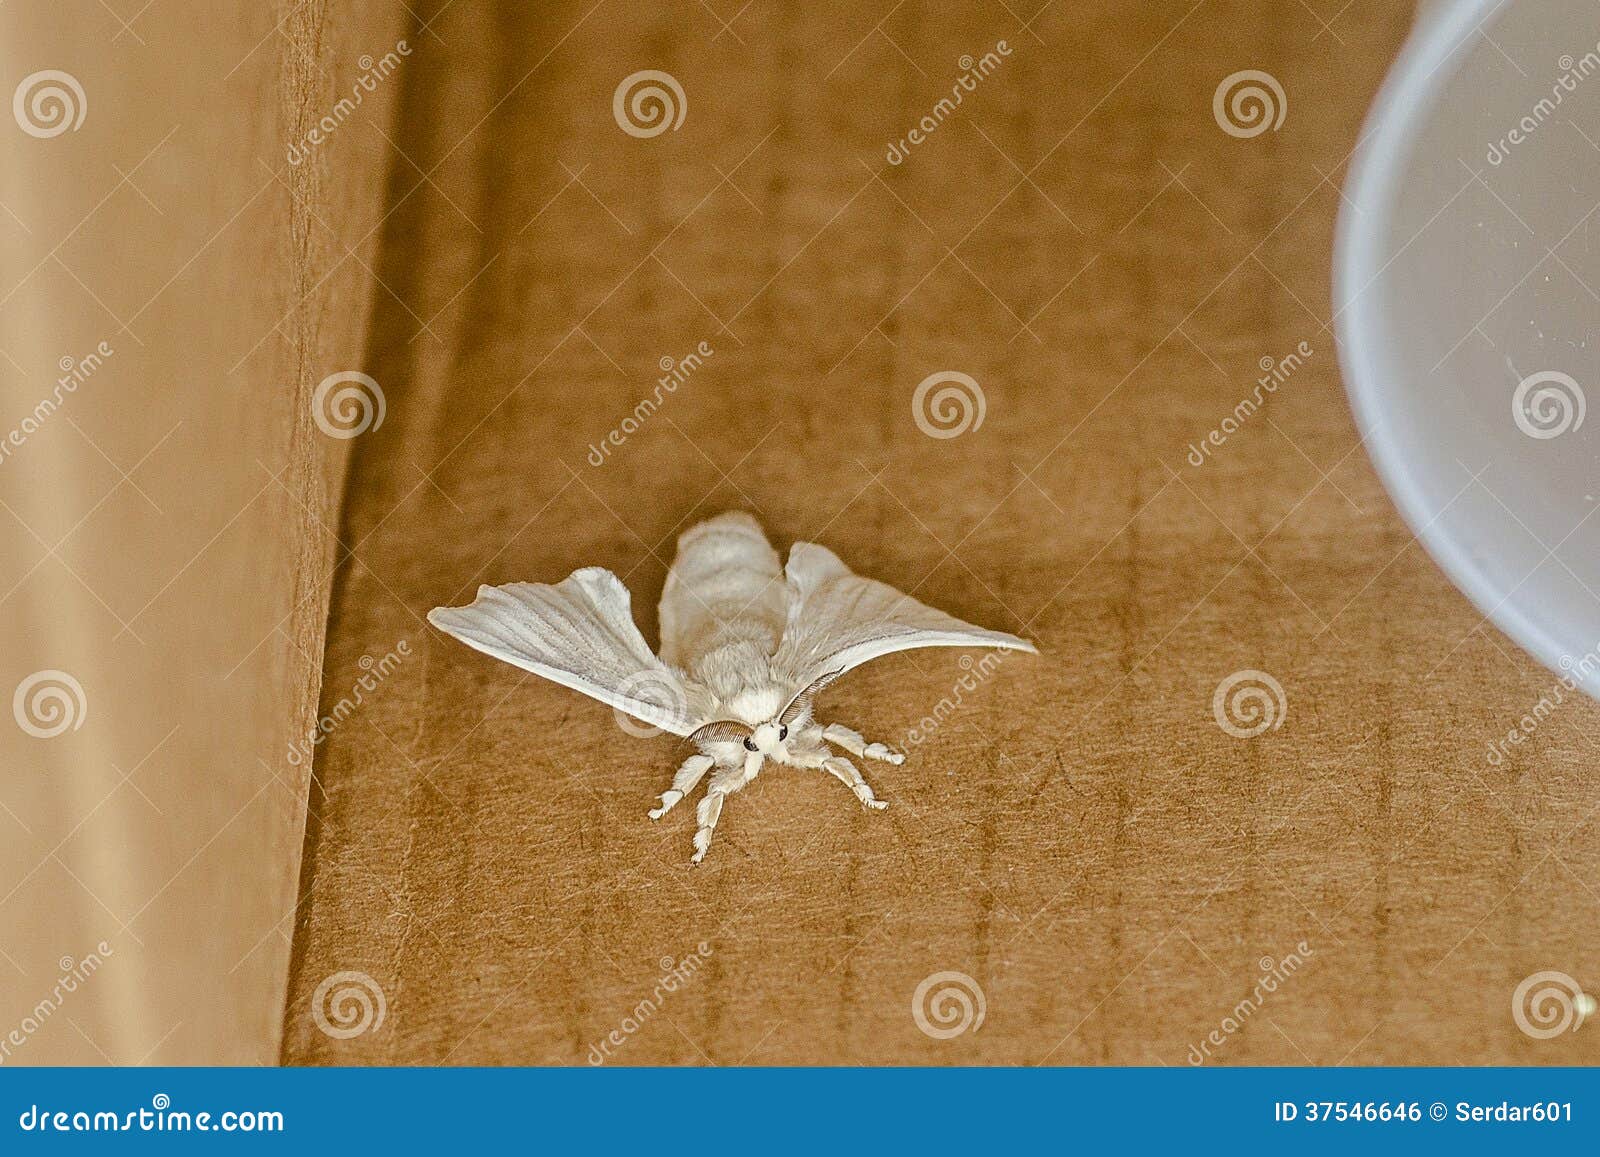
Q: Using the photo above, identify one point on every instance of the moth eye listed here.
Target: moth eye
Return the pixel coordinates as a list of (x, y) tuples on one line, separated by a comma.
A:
[(783, 733), (749, 745)]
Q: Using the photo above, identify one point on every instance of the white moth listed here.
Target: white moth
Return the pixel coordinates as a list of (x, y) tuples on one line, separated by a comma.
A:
[(745, 648)]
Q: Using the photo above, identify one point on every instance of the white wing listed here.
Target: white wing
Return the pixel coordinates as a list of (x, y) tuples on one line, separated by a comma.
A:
[(579, 633), (839, 620)]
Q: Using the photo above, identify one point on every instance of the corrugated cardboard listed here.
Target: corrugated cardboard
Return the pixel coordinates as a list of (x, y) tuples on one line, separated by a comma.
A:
[(1112, 869)]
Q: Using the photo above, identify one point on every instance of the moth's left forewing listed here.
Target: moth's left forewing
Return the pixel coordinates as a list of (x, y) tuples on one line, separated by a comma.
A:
[(579, 633), (838, 620)]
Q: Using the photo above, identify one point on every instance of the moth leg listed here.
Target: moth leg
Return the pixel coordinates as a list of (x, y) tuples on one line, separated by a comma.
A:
[(856, 744), (689, 775), (729, 778), (709, 813), (847, 773)]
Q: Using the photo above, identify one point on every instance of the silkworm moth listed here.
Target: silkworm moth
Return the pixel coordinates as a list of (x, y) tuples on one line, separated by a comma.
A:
[(745, 648)]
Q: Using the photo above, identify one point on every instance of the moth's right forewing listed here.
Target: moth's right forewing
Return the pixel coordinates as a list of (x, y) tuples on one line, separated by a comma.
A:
[(839, 620), (579, 633)]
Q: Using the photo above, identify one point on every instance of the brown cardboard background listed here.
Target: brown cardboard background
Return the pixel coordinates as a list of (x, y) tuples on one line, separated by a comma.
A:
[(1081, 838), (162, 534)]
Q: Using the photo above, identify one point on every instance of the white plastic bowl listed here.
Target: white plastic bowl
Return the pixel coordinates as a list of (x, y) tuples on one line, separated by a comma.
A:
[(1466, 270)]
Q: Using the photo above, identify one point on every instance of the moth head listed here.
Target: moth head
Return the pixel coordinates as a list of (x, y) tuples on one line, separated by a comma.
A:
[(766, 738), (761, 740)]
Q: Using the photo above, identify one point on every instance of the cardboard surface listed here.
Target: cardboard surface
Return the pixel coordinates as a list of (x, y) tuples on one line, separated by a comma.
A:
[(1115, 871), (172, 289)]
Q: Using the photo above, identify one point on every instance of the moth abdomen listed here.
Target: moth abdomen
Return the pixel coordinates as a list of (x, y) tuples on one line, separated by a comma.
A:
[(725, 586)]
